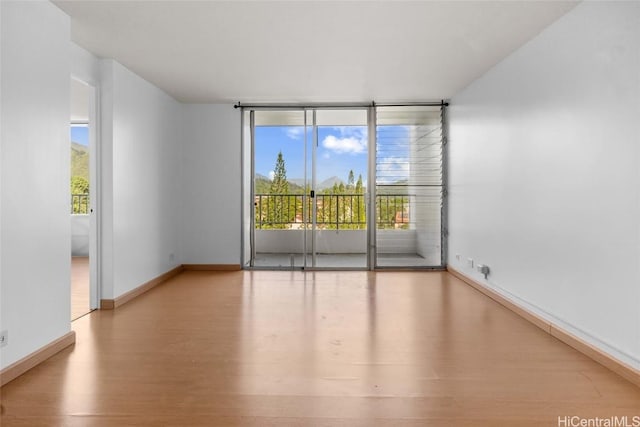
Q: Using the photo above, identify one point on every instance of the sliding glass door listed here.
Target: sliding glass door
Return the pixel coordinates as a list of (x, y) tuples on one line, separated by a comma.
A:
[(339, 177), (309, 172), (308, 199), (279, 186)]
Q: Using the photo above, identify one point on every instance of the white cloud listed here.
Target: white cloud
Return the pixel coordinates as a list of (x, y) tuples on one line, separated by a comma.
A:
[(294, 132), (392, 169), (351, 140), (359, 132), (351, 144), (272, 175)]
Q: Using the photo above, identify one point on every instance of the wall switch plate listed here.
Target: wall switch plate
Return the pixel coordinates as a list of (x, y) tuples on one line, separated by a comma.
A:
[(4, 338)]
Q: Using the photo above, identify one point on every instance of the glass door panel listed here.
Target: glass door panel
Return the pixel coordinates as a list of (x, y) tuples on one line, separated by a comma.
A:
[(309, 189), (339, 173), (279, 182)]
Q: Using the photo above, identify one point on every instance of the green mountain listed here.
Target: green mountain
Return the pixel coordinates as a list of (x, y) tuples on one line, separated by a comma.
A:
[(263, 186), (327, 184), (79, 160)]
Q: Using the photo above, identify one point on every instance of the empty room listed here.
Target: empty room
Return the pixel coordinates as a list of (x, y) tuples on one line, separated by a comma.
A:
[(319, 213)]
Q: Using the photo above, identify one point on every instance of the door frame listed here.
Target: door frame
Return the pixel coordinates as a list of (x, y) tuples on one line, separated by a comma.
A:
[(93, 124), (247, 146), (370, 195)]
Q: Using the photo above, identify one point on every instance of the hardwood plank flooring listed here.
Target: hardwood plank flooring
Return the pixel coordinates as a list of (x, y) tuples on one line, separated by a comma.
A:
[(79, 286), (320, 349)]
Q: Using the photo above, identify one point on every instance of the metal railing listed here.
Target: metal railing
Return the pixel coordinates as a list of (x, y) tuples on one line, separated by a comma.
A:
[(80, 203), (333, 211)]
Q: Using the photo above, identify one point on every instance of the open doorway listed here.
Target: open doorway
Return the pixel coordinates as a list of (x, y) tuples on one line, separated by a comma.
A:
[(82, 189)]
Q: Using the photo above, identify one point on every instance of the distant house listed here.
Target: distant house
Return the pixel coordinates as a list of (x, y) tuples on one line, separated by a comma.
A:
[(402, 219)]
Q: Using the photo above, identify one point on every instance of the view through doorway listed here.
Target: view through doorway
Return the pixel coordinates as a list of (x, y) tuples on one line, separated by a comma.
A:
[(81, 189)]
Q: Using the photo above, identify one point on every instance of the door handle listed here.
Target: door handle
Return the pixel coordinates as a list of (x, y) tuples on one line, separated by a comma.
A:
[(312, 194)]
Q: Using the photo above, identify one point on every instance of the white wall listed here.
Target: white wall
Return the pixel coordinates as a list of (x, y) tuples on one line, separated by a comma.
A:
[(544, 175), (141, 146), (327, 241), (211, 187), (80, 235), (84, 65), (35, 263)]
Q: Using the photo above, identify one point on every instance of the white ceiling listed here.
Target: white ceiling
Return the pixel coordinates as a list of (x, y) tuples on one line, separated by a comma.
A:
[(308, 51)]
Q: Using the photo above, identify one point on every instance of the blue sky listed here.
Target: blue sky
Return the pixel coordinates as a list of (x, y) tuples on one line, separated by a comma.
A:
[(340, 149), (80, 134)]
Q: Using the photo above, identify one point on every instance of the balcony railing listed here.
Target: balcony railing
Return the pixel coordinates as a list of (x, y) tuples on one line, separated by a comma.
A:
[(333, 211), (80, 204)]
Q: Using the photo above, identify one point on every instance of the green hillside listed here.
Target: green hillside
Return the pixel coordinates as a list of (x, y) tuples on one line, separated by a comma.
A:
[(79, 160), (79, 170), (263, 186)]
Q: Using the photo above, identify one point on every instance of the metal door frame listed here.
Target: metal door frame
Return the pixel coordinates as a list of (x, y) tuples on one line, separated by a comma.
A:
[(370, 195)]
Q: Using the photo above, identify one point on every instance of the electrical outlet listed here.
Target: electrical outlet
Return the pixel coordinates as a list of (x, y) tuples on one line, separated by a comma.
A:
[(470, 262), (172, 256), (4, 338), (458, 257), (483, 269)]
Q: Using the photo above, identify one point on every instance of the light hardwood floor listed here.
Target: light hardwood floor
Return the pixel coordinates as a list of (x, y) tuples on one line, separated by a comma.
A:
[(323, 349), (79, 286)]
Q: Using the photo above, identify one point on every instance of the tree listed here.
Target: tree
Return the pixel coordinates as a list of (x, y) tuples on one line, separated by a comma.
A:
[(80, 195), (279, 184), (359, 185), (350, 180), (361, 209), (279, 211), (79, 185)]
